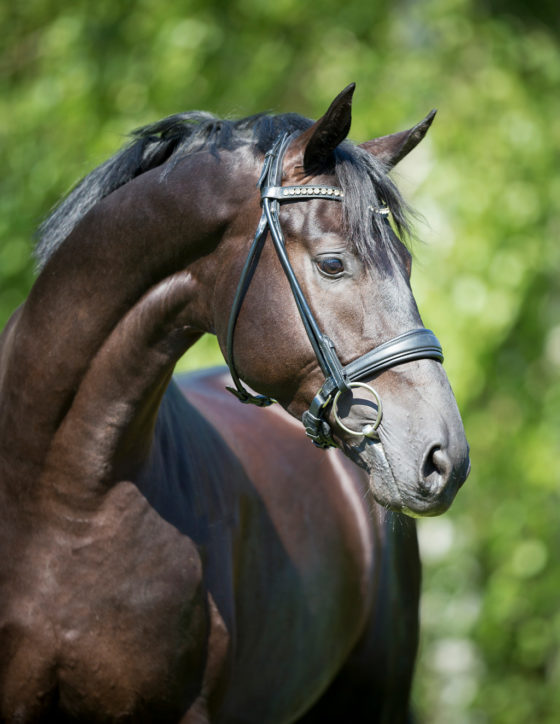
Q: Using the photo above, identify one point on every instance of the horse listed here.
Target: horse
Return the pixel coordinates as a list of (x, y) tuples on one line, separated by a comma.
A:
[(169, 554)]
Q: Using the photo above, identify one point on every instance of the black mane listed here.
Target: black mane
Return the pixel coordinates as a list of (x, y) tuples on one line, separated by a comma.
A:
[(361, 176)]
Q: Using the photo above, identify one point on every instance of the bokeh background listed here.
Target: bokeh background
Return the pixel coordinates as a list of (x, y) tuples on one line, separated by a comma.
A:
[(76, 77)]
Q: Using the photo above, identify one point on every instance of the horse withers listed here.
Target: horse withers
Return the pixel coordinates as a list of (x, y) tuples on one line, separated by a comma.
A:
[(167, 553)]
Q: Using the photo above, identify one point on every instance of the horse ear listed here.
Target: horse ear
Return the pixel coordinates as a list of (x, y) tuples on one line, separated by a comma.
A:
[(318, 142), (391, 149)]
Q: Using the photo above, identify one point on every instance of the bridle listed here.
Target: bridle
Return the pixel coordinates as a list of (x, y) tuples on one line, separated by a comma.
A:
[(413, 345)]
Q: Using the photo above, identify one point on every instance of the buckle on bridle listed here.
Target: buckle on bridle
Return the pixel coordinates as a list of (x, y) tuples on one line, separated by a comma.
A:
[(316, 427), (248, 398)]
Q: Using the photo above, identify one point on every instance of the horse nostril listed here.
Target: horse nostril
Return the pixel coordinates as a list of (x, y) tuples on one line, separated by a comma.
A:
[(436, 468)]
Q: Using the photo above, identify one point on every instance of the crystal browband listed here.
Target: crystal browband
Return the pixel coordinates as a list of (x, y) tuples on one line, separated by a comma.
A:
[(286, 193)]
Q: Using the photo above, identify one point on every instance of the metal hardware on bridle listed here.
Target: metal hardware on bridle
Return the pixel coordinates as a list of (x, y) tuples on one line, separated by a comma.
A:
[(370, 429), (413, 345)]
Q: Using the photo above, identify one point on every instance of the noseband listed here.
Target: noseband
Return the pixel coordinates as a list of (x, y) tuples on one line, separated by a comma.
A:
[(413, 345)]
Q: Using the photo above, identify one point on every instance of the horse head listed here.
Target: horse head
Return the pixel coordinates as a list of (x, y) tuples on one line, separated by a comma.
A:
[(306, 284), (340, 269)]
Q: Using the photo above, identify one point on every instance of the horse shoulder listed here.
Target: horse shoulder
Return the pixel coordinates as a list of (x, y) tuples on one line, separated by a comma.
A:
[(304, 553), (285, 470)]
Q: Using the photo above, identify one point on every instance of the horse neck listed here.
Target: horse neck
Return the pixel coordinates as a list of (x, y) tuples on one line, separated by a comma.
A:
[(86, 360)]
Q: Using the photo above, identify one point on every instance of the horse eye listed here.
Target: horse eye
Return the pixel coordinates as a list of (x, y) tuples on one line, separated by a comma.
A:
[(331, 266)]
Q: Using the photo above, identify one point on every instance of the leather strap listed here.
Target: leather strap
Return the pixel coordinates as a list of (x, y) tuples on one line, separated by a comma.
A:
[(413, 345), (295, 193)]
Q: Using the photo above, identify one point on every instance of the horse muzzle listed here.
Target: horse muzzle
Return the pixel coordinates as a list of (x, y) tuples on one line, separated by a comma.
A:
[(418, 457)]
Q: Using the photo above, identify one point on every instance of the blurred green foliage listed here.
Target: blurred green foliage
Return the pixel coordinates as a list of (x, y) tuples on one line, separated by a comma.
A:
[(75, 78)]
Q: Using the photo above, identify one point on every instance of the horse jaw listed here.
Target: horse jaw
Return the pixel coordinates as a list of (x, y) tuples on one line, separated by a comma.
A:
[(382, 482)]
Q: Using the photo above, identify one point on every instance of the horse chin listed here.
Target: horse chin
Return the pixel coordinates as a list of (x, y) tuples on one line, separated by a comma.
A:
[(370, 456)]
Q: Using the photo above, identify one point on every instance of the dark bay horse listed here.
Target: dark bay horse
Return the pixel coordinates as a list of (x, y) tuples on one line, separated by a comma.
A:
[(166, 553)]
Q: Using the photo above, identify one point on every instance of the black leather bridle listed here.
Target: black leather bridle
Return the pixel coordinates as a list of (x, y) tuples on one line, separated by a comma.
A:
[(415, 344)]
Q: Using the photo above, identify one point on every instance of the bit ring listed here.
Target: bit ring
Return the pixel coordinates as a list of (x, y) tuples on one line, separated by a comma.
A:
[(370, 429)]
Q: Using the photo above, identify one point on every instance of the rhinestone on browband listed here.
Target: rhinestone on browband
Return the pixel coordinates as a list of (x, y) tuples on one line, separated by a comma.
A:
[(286, 193), (312, 191)]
